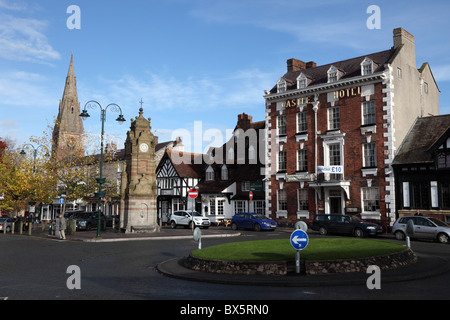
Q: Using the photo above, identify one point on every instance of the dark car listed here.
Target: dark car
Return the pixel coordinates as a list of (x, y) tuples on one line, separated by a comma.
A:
[(253, 221), (89, 220), (340, 224)]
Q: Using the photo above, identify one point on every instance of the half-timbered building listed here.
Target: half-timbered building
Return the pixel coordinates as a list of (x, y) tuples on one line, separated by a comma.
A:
[(422, 169), (229, 179)]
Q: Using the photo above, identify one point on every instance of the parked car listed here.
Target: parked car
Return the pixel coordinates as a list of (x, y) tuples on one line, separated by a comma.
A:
[(184, 218), (340, 224), (255, 221), (6, 223), (89, 220), (424, 228)]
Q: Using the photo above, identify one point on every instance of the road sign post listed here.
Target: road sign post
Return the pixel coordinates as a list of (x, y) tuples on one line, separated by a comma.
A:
[(299, 241), (193, 194)]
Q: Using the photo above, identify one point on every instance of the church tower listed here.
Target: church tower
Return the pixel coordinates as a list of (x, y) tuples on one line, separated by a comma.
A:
[(68, 131)]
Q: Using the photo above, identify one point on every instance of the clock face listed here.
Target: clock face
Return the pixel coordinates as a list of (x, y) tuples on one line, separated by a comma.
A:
[(143, 147)]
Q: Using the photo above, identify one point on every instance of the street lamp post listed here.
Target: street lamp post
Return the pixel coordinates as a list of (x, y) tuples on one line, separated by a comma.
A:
[(35, 150), (84, 114)]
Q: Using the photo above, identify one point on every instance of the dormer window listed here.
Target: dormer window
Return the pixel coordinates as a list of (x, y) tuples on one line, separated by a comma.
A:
[(281, 85), (209, 174), (366, 67), (333, 74), (224, 173), (302, 81)]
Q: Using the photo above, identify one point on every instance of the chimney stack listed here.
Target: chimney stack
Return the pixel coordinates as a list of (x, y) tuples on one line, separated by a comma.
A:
[(297, 65), (403, 37)]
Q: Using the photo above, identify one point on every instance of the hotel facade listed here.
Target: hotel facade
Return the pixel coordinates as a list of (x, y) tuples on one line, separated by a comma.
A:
[(333, 131)]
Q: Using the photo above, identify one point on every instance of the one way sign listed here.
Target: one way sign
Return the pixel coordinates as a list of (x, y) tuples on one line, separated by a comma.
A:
[(299, 239)]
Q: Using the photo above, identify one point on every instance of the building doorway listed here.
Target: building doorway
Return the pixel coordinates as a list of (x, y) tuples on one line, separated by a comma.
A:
[(335, 201)]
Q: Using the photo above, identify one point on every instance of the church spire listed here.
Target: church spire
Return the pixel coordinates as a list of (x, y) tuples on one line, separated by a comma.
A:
[(68, 131)]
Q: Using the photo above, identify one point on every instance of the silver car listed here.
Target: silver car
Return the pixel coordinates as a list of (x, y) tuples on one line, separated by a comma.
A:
[(424, 228), (6, 223), (184, 218)]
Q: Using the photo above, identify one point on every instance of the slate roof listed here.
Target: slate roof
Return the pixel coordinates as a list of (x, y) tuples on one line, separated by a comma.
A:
[(350, 67), (425, 135), (191, 168)]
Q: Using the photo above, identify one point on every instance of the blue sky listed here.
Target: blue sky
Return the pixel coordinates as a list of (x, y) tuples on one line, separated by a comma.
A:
[(191, 61)]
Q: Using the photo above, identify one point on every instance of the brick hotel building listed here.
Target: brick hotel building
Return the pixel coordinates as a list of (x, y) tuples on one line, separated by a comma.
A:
[(333, 131)]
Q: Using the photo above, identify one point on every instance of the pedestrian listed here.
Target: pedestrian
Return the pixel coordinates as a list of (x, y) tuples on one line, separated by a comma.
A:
[(62, 227)]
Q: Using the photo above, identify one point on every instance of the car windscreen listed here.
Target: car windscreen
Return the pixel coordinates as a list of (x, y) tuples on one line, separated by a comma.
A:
[(195, 213), (439, 222)]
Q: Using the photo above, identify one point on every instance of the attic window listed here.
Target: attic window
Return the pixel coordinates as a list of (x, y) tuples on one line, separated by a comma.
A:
[(281, 85), (224, 173), (332, 74), (302, 81), (366, 67), (209, 174)]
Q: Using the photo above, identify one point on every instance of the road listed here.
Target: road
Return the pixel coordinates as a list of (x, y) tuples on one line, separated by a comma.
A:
[(37, 269)]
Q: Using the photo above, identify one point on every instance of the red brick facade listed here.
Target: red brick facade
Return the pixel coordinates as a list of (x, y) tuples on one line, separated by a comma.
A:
[(354, 136)]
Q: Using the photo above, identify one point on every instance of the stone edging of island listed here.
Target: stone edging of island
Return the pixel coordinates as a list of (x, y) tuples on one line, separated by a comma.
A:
[(309, 267)]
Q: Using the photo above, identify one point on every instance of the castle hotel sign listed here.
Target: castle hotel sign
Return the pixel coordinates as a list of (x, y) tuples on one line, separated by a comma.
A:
[(339, 94)]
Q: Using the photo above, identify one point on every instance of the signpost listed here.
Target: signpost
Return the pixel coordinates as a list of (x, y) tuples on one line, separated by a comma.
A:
[(299, 241), (193, 194)]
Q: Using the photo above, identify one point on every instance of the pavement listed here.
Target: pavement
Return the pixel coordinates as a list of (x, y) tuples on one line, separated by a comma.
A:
[(427, 265)]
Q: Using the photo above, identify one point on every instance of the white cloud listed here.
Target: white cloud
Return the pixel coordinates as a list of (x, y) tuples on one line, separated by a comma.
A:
[(24, 89), (166, 92), (24, 39)]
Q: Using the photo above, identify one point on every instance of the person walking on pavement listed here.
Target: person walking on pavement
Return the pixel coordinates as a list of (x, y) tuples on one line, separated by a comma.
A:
[(62, 227)]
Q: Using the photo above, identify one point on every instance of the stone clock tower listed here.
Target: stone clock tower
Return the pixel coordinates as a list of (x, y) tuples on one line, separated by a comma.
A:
[(138, 188)]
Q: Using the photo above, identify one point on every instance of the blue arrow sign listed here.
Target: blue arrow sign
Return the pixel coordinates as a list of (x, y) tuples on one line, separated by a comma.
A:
[(299, 239)]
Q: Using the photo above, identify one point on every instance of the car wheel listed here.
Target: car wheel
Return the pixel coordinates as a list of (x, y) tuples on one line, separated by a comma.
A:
[(359, 233), (234, 226), (399, 235), (257, 227), (323, 231), (173, 225), (443, 238)]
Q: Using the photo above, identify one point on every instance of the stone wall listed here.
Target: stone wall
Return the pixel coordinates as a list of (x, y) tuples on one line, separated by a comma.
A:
[(313, 267)]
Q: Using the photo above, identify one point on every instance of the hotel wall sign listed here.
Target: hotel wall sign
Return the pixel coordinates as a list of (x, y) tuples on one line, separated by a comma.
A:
[(339, 94)]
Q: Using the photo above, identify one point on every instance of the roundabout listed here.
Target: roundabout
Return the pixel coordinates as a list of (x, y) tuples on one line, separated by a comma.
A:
[(323, 256)]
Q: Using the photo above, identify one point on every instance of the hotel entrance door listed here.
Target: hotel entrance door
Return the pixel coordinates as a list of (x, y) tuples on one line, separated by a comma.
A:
[(335, 201)]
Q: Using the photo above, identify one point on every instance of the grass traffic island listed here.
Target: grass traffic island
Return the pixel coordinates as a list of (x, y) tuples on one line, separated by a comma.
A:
[(321, 256)]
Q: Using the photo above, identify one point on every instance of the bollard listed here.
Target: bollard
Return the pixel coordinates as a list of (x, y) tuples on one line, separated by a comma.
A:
[(30, 226), (13, 226)]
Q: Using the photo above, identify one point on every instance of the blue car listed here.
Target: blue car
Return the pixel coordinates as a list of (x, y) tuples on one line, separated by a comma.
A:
[(253, 221)]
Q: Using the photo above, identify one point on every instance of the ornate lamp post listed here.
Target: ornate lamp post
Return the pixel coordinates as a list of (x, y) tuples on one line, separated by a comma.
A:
[(35, 150), (84, 114)]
